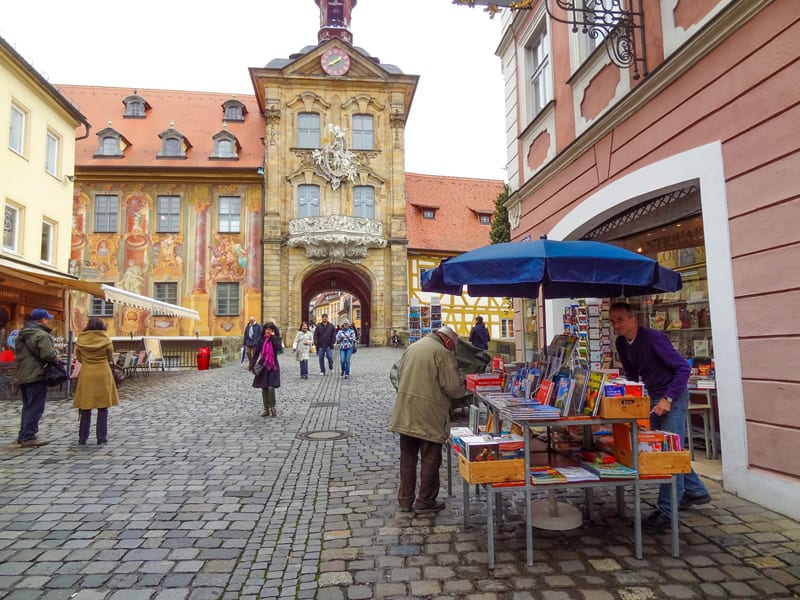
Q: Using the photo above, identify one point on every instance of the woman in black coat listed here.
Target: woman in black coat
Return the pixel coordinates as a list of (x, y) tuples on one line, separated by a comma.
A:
[(267, 378)]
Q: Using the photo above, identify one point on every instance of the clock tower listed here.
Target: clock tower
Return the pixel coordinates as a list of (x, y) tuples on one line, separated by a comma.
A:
[(334, 20)]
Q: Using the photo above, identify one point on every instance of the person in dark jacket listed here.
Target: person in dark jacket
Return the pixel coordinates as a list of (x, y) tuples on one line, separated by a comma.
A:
[(252, 336), (479, 336), (34, 347), (324, 339), (648, 355), (269, 379)]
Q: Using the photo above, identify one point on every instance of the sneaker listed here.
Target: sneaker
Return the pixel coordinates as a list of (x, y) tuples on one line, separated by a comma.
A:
[(689, 500), (34, 443), (657, 520), (435, 507)]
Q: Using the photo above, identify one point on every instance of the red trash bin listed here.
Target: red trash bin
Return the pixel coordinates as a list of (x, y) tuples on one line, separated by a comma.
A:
[(203, 358)]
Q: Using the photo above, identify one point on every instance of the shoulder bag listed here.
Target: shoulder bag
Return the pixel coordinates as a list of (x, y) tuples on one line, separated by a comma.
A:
[(118, 372), (54, 372), (258, 368)]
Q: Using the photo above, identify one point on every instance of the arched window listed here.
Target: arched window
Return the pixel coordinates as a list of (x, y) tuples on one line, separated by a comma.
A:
[(135, 107), (110, 146), (172, 147), (307, 201), (233, 110), (364, 201)]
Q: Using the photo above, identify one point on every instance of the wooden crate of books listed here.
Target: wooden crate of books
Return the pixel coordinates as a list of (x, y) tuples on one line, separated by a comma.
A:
[(657, 463), (625, 407), (493, 471)]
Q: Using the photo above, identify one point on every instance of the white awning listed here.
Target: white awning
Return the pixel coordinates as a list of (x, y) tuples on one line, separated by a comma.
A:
[(120, 296)]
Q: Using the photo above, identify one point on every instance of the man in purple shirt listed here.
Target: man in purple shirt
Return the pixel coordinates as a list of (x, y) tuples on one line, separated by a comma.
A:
[(648, 355)]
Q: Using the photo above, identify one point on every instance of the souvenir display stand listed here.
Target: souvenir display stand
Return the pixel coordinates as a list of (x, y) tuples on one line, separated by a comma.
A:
[(549, 514)]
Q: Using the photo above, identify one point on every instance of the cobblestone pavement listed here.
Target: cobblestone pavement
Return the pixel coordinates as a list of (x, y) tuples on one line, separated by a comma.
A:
[(197, 496)]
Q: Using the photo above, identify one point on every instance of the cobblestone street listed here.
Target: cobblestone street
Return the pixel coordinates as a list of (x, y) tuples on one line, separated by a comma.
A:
[(197, 496)]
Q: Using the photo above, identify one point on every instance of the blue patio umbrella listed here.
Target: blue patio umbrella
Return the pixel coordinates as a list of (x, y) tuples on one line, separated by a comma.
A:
[(562, 269)]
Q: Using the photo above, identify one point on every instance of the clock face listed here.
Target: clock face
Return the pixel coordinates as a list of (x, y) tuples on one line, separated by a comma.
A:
[(335, 62)]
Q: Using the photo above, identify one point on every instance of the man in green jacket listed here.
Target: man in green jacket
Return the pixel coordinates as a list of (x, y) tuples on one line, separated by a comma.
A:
[(428, 381), (33, 347)]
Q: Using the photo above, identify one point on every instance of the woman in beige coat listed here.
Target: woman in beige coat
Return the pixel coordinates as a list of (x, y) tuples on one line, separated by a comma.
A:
[(96, 388)]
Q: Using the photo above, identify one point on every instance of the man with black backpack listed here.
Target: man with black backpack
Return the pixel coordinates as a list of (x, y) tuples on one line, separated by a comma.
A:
[(34, 347)]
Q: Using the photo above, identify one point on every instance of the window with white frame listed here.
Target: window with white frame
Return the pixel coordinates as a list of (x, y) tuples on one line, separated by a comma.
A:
[(106, 209), (51, 154), (169, 213), (485, 219), (11, 227), (308, 130), (364, 201), (233, 110), (230, 214), (48, 241), (428, 213), (166, 291), (538, 53), (363, 132), (507, 328), (307, 201), (16, 136), (101, 308), (227, 299)]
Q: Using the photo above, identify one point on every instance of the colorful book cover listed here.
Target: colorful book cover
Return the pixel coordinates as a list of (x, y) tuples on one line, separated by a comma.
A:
[(591, 397), (546, 475), (545, 391), (562, 394)]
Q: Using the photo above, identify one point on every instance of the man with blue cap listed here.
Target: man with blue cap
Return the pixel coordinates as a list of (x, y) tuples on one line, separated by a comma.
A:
[(34, 347)]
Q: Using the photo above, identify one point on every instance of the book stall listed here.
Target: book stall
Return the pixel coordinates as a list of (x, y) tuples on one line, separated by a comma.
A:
[(552, 424)]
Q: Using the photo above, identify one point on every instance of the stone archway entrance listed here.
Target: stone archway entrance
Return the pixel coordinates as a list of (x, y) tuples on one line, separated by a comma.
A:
[(345, 279)]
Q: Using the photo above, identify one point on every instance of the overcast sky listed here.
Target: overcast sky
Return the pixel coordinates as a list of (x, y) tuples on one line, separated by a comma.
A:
[(208, 46)]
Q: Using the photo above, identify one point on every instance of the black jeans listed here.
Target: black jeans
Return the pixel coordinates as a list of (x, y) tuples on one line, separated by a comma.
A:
[(430, 455), (101, 428), (34, 398)]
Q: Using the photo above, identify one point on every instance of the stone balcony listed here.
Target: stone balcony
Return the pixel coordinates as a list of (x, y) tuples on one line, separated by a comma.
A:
[(335, 238)]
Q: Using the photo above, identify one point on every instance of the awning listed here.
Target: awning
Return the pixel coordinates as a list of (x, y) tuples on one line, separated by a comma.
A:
[(48, 278), (120, 296)]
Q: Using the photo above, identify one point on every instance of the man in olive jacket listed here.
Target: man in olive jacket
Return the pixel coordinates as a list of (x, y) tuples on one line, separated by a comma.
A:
[(428, 379), (33, 348)]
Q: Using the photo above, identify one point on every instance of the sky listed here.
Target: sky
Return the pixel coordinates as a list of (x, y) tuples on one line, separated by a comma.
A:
[(209, 46)]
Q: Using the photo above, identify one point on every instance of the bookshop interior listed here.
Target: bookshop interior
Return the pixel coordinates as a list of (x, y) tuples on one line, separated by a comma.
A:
[(567, 416)]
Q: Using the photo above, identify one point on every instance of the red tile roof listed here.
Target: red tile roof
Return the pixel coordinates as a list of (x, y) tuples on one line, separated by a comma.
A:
[(196, 115), (457, 202)]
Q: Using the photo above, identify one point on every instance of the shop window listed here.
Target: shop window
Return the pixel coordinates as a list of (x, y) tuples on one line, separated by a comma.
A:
[(100, 308), (106, 208), (16, 136), (308, 132), (507, 328), (364, 201), (537, 52), (169, 213), (12, 219), (308, 201), (230, 214), (363, 132), (227, 299)]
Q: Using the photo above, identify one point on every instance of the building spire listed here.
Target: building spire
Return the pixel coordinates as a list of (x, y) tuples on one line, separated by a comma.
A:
[(334, 20)]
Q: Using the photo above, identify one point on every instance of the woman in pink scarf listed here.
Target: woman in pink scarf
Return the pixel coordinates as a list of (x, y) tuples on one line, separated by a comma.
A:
[(269, 378)]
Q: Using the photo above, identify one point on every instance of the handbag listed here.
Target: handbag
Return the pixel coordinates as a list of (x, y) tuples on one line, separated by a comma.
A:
[(118, 372), (54, 374), (355, 349), (258, 368)]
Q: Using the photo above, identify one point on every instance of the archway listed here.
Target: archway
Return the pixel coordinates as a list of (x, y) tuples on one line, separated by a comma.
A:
[(342, 278)]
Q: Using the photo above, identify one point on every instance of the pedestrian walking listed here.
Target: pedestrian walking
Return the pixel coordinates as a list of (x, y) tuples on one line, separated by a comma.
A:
[(96, 389), (479, 336), (324, 339), (266, 370), (428, 382), (252, 335), (649, 355), (302, 346), (34, 347), (346, 340)]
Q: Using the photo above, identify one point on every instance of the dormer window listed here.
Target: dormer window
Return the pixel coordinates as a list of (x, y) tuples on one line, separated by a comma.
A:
[(233, 110), (428, 213), (226, 146), (485, 219), (173, 143), (110, 143), (135, 107)]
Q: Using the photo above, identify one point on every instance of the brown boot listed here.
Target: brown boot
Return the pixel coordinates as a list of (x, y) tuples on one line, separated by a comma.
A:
[(272, 412)]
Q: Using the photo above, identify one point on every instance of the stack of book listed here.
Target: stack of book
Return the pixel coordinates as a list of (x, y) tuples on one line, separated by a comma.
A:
[(577, 474), (610, 470), (546, 475)]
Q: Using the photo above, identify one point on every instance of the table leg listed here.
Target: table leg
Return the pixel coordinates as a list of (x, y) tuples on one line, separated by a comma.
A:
[(673, 509), (465, 502), (449, 469), (490, 523)]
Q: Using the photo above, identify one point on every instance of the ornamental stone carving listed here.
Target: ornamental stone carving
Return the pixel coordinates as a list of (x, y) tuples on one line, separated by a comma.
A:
[(514, 215), (335, 238), (335, 162)]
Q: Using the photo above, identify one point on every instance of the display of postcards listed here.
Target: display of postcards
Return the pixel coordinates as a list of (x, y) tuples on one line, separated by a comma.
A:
[(425, 311), (413, 311), (593, 310), (435, 324), (436, 311), (413, 322), (594, 322), (426, 330)]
